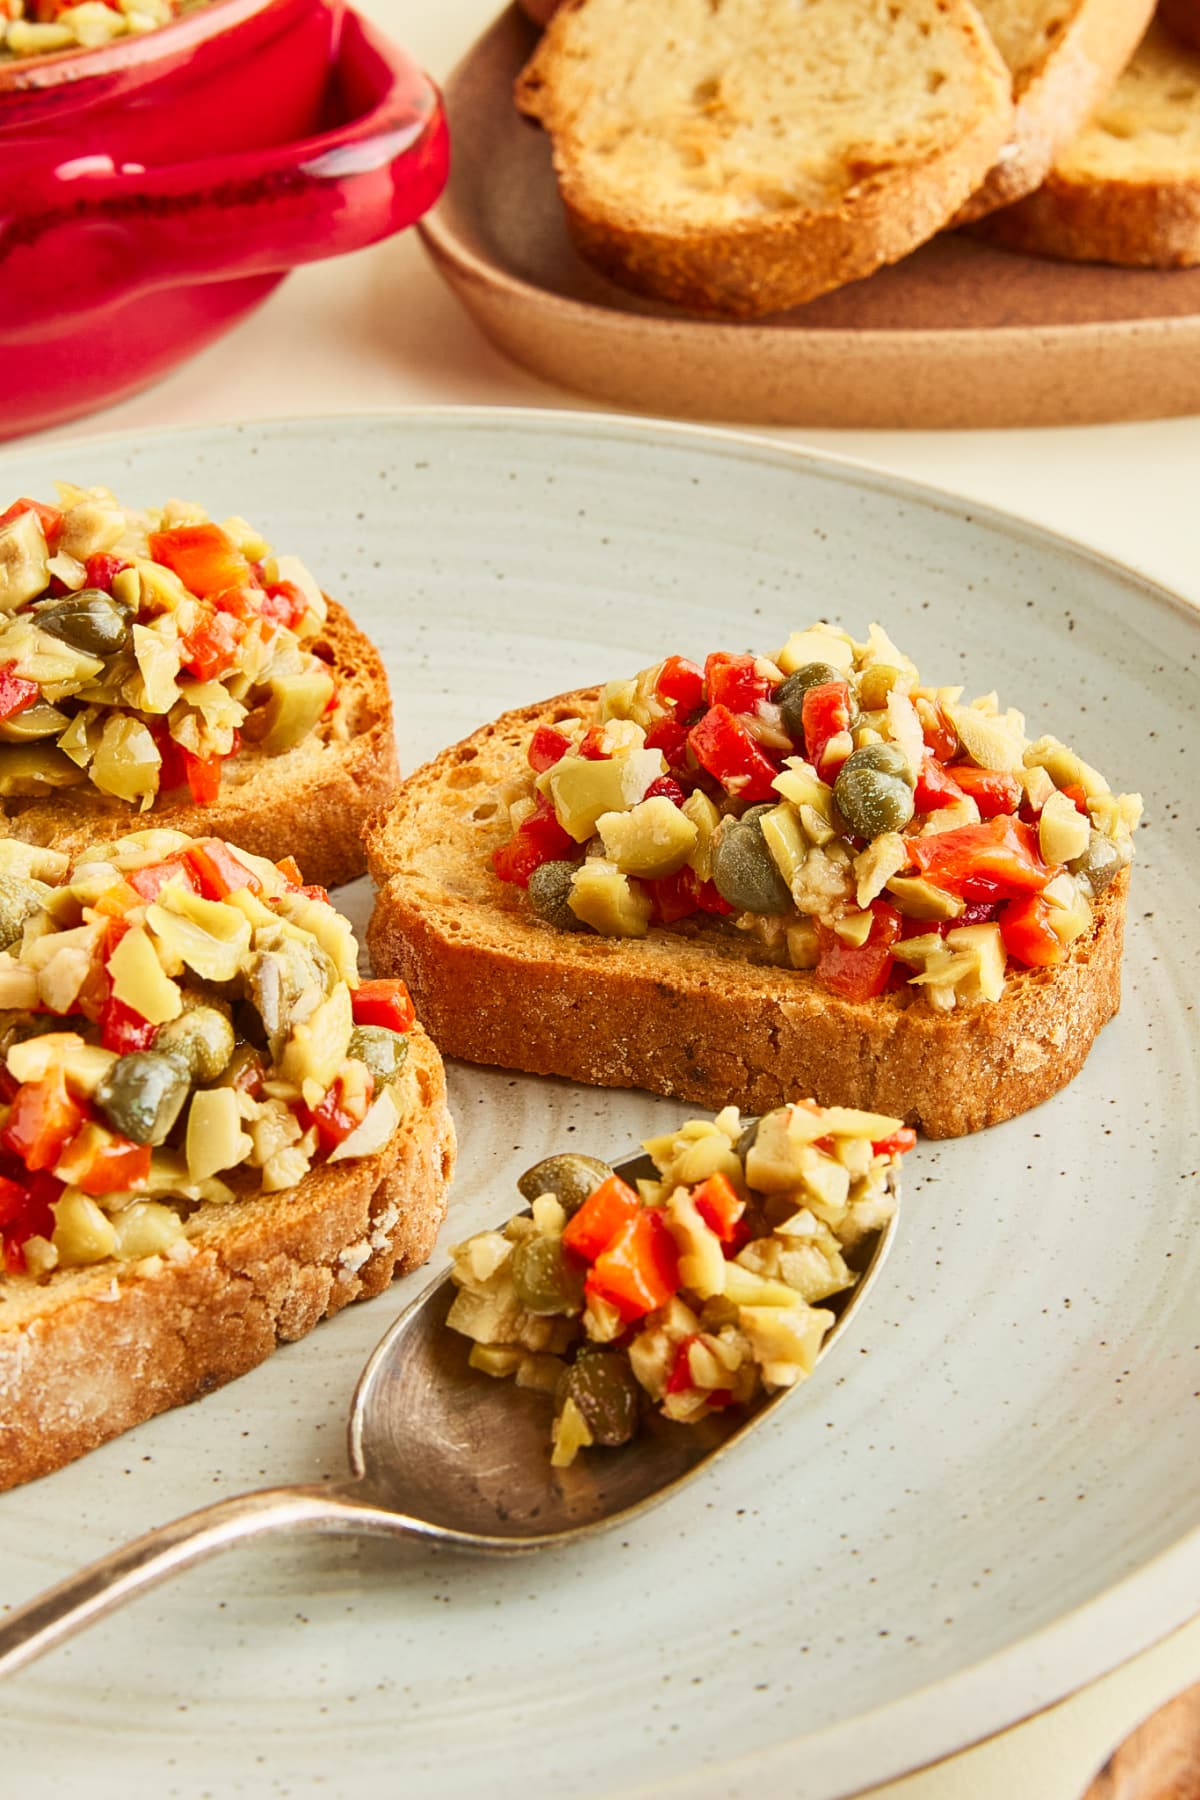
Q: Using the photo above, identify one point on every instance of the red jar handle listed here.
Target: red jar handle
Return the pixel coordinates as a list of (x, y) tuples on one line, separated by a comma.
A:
[(86, 237)]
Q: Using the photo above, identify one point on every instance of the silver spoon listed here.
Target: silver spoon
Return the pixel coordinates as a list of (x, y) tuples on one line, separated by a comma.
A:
[(437, 1451)]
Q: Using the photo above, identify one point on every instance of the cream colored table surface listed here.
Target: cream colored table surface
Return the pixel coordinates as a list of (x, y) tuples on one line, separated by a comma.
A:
[(377, 331)]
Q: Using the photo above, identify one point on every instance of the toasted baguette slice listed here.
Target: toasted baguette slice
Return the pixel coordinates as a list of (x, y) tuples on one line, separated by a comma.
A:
[(95, 1350), (691, 1012), (1128, 189), (1064, 56), (310, 802), (1183, 18), (744, 157)]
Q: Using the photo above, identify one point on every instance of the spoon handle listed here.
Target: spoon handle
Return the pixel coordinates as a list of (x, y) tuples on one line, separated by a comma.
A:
[(78, 1601)]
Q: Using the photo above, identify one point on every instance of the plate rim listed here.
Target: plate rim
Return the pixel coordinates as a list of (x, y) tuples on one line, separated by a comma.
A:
[(1046, 1665)]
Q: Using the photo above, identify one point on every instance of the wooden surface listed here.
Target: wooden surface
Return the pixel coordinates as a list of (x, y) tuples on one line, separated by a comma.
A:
[(960, 334), (1158, 1761)]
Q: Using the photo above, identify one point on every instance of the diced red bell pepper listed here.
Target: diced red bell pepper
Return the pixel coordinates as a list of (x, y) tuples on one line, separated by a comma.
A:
[(825, 714), (384, 1002), (722, 745), (289, 868), (333, 1118), (668, 788), (936, 787), (42, 1121), (244, 603), (32, 1217), (897, 1144), (103, 569), (16, 693), (204, 557), (680, 1380), (153, 878), (670, 737), (858, 972), (675, 896), (975, 912), (734, 681), (605, 1212), (681, 682), (593, 746), (547, 747), (50, 518), (285, 604), (114, 1167), (941, 739), (994, 791), (639, 1271), (124, 1030), (998, 859), (218, 871), (1077, 797), (721, 1207), (1029, 937), (539, 839), (203, 775), (209, 649), (13, 1199)]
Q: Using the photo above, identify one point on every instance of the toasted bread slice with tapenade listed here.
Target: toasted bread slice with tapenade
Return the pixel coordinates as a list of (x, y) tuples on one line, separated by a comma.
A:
[(309, 802), (695, 1011)]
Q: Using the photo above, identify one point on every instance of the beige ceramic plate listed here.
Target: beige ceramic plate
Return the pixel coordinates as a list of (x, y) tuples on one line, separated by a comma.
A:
[(959, 334)]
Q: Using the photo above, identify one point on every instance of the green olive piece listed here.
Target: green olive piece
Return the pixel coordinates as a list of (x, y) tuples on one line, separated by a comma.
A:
[(20, 899), (547, 1282), (382, 1050), (872, 802), (605, 1390), (745, 872), (549, 893), (889, 759), (1100, 863), (143, 1094), (201, 1037), (789, 695), (90, 621), (875, 684), (41, 720), (570, 1177)]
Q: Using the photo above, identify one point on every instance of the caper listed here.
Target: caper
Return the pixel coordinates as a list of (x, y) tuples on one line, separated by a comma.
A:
[(382, 1050), (546, 1281), (201, 1037), (143, 1094), (875, 684), (889, 759), (789, 695), (40, 720), (549, 893), (20, 899), (1100, 863), (90, 621), (745, 872), (872, 802), (570, 1177), (606, 1392)]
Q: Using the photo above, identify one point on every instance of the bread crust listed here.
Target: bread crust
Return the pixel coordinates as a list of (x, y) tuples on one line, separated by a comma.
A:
[(758, 266), (95, 1351), (1055, 101), (310, 802), (1182, 17), (693, 1013)]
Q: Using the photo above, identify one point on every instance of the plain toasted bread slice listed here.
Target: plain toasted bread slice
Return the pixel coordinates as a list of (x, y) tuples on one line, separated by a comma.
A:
[(1064, 56), (691, 1012), (742, 156), (92, 1351), (1127, 191), (310, 802)]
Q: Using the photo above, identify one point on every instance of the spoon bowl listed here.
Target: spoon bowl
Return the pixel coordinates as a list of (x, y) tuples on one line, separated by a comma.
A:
[(437, 1451)]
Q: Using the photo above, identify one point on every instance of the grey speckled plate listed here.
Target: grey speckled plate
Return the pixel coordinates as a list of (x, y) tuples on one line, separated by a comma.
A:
[(991, 1498)]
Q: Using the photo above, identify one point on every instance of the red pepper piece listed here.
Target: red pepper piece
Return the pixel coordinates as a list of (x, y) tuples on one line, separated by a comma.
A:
[(203, 774), (825, 714), (936, 787), (122, 1029), (681, 682), (734, 681), (204, 557), (285, 604), (13, 1199), (34, 1218), (858, 972), (209, 649), (639, 1271), (670, 737), (593, 746), (941, 739), (994, 791), (605, 1212), (722, 745), (333, 1119), (897, 1144), (218, 871), (996, 860), (383, 1002), (103, 569), (116, 1166), (668, 788), (1029, 937), (153, 878), (1077, 797), (540, 838), (16, 693), (680, 1380), (42, 1121), (675, 896), (289, 868), (50, 518), (547, 747), (721, 1207)]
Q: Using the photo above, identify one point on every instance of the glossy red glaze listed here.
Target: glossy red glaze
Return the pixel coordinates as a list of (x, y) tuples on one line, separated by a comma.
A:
[(154, 191)]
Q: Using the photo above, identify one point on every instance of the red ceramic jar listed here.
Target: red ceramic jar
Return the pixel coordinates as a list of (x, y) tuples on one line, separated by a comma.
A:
[(153, 191)]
